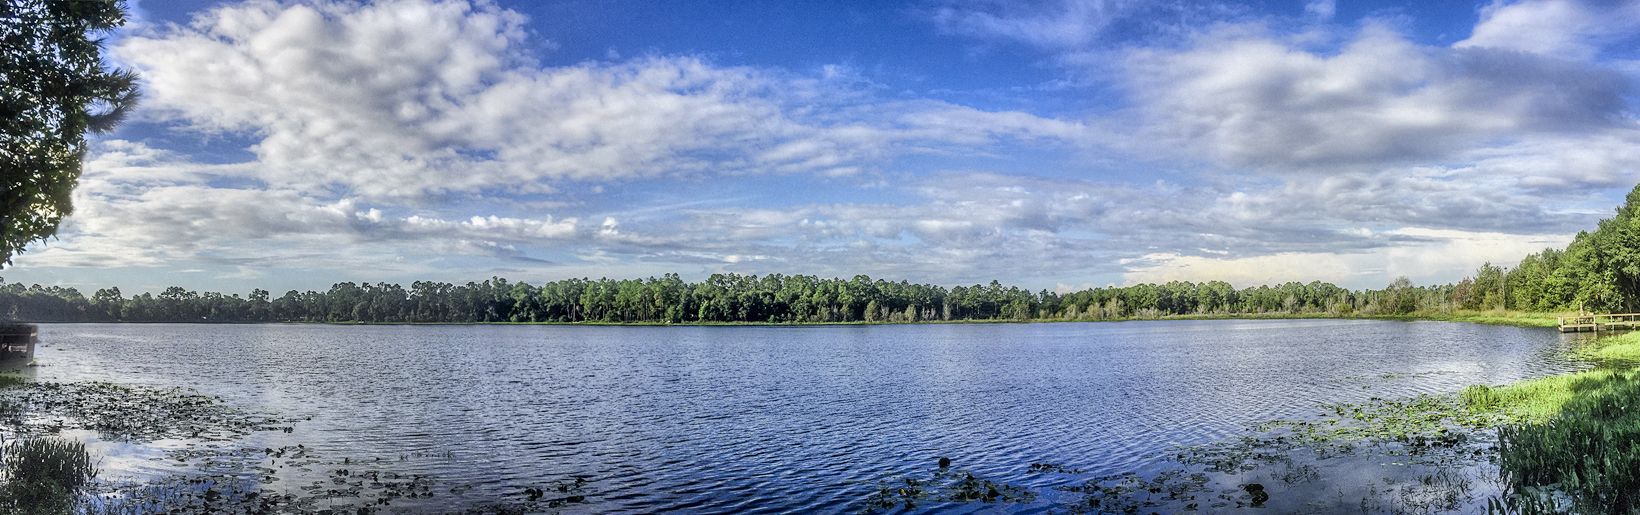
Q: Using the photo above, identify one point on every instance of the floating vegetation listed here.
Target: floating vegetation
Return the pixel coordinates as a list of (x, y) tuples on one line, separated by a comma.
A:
[(1367, 380), (53, 475), (1173, 490), (125, 412), (1417, 425), (248, 480), (945, 485), (1426, 454), (343, 490), (1054, 468)]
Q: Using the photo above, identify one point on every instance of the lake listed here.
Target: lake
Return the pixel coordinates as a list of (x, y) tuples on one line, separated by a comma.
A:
[(771, 418)]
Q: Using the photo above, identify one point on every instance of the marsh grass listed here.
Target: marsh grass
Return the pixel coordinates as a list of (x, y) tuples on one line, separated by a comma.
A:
[(1536, 400), (1489, 317), (1493, 317), (1571, 437), (43, 475), (1613, 352), (1588, 450)]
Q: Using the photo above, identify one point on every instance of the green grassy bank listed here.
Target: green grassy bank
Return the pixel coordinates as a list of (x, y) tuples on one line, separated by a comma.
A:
[(1493, 317), (1571, 442)]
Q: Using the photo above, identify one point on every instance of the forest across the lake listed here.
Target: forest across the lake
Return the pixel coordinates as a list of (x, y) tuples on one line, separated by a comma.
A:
[(1598, 271)]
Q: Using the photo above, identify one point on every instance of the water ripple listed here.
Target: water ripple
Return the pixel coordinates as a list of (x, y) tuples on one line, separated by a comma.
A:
[(782, 419)]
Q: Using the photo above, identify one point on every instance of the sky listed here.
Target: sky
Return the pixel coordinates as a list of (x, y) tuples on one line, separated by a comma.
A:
[(1055, 145)]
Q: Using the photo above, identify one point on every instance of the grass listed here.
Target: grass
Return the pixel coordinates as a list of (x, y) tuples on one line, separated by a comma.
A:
[(1573, 434), (1620, 351), (1498, 317), (1537, 400), (43, 475), (1587, 451), (1490, 317)]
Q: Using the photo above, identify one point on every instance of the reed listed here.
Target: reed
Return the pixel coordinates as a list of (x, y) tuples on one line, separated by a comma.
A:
[(1587, 450), (1572, 435), (44, 475)]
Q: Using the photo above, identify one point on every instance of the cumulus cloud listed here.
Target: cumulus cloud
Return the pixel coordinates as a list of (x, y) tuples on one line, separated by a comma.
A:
[(415, 97), (1073, 27), (961, 227), (1247, 99), (138, 206), (407, 133), (1565, 29)]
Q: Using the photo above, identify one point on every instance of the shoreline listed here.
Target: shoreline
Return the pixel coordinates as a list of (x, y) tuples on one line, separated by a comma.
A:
[(1405, 425), (1505, 318)]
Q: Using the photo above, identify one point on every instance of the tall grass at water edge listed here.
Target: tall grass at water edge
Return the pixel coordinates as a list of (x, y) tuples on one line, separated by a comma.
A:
[(1572, 443)]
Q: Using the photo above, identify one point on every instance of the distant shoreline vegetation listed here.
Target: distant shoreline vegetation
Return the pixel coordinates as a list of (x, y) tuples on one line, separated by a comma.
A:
[(1599, 271), (739, 299)]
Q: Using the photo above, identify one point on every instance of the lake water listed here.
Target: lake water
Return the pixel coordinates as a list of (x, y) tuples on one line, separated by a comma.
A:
[(776, 418)]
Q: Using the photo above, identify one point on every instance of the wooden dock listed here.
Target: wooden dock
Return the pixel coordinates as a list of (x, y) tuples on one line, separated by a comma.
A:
[(17, 341), (1600, 323)]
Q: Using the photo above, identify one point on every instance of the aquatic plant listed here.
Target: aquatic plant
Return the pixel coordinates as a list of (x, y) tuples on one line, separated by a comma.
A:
[(1568, 444), (1619, 352), (43, 475), (242, 480), (1587, 450), (1173, 490), (946, 485), (127, 412), (1416, 423)]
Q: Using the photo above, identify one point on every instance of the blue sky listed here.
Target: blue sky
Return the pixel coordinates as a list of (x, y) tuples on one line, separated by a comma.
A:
[(1058, 145)]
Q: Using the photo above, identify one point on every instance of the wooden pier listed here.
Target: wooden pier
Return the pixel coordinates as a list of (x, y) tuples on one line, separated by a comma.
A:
[(1600, 323), (17, 341)]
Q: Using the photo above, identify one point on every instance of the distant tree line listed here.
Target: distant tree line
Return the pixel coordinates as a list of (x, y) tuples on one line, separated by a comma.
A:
[(1599, 271), (719, 298)]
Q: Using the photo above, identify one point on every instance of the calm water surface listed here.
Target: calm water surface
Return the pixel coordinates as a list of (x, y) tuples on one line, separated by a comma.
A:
[(779, 418)]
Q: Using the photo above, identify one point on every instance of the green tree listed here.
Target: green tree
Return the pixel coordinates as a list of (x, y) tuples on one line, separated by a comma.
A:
[(54, 87), (1400, 297)]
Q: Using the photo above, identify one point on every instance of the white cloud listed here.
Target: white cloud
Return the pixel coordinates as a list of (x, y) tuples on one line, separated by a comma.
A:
[(1564, 29), (410, 98), (1248, 99), (1053, 24), (399, 134), (1445, 256), (137, 206), (1321, 9)]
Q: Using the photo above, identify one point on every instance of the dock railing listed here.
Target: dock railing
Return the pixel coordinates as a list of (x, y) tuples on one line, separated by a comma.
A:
[(1599, 323)]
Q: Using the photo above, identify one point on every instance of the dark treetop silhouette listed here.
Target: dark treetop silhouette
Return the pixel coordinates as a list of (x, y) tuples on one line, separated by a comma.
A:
[(53, 88)]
